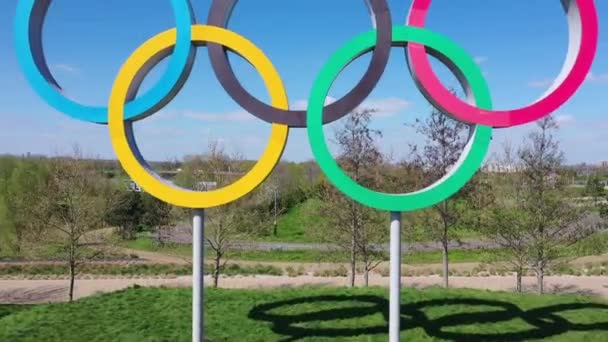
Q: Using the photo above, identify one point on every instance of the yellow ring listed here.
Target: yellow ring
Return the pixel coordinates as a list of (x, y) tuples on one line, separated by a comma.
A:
[(145, 177)]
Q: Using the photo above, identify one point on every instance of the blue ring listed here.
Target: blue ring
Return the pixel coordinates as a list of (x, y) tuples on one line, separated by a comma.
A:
[(37, 72)]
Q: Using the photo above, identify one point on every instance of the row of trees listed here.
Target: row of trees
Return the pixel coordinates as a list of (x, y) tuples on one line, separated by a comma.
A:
[(54, 205), (528, 212), (60, 207), (63, 205), (533, 216)]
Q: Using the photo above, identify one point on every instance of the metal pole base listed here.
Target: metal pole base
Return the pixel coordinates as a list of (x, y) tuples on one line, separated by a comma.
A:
[(198, 226), (394, 328)]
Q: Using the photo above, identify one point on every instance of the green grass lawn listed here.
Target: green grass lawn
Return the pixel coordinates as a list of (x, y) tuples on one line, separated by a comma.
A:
[(310, 314), (292, 226), (7, 310), (456, 256), (594, 245), (134, 269)]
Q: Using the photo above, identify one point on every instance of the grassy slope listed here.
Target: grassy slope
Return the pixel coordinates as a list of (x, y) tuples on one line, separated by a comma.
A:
[(310, 314), (6, 232), (292, 225), (594, 245), (145, 244)]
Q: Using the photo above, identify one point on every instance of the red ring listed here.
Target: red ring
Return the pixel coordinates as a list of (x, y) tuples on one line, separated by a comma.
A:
[(583, 35)]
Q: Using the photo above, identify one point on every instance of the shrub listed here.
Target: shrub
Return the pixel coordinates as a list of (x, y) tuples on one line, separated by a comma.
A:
[(341, 271), (292, 272)]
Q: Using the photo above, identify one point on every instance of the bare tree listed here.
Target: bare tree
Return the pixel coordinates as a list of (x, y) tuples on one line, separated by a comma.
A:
[(534, 219), (554, 222), (271, 190), (352, 226), (445, 140), (223, 224), (370, 236), (222, 228), (505, 223), (68, 209)]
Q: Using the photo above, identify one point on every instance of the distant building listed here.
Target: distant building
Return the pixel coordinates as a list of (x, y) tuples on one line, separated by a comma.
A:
[(495, 167)]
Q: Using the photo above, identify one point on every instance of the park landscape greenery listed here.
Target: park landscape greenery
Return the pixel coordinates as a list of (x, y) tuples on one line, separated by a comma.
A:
[(535, 218), (309, 314)]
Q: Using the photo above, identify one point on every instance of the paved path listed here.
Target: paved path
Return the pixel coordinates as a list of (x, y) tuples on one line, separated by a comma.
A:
[(183, 235), (306, 267), (405, 247), (44, 291)]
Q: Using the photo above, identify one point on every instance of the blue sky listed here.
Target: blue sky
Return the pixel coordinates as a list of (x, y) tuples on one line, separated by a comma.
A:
[(87, 41)]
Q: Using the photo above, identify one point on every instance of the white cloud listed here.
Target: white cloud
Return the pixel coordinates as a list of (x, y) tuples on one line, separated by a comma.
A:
[(565, 119), (591, 77), (303, 104), (160, 131), (385, 107), (540, 83), (480, 59), (66, 68), (164, 114), (235, 115), (601, 78)]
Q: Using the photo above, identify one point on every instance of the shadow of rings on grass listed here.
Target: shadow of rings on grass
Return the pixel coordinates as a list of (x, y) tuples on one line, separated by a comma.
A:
[(286, 324), (544, 321)]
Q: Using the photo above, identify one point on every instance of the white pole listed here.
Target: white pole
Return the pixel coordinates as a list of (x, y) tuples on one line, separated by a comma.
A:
[(198, 225), (395, 278)]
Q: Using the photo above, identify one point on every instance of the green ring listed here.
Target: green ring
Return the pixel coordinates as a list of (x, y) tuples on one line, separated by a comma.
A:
[(471, 159)]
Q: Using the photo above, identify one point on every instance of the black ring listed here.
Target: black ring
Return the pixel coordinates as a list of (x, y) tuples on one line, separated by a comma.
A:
[(219, 15)]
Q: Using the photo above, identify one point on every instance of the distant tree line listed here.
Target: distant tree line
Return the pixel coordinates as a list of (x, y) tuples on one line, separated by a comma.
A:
[(68, 203)]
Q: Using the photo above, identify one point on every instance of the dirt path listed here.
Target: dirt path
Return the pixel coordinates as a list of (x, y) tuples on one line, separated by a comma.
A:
[(312, 267), (308, 267), (44, 291), (156, 258), (183, 235)]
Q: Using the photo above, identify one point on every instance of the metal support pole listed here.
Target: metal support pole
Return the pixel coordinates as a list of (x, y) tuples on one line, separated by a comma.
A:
[(395, 278), (198, 225), (275, 213)]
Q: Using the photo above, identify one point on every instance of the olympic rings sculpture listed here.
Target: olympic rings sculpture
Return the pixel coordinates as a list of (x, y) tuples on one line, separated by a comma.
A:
[(180, 44)]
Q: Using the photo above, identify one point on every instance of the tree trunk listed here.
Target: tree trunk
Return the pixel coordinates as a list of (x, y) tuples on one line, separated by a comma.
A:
[(216, 270), (127, 232), (72, 277), (16, 245), (519, 273), (132, 233), (72, 265), (353, 262), (161, 239), (540, 279), (366, 273), (446, 274)]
